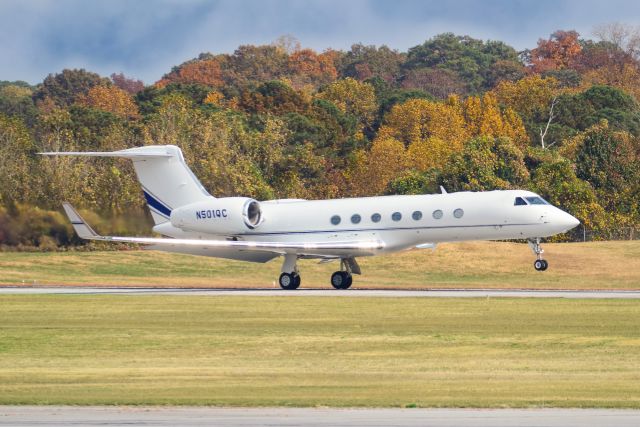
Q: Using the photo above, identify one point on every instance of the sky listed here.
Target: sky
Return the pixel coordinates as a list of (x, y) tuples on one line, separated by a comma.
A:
[(145, 38)]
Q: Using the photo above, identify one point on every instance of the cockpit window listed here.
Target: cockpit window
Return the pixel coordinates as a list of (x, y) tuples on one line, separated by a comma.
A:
[(536, 201), (519, 202)]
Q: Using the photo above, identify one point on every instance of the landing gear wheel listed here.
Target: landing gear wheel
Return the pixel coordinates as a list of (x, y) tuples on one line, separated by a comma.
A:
[(349, 281), (546, 264), (341, 280), (289, 281), (540, 264)]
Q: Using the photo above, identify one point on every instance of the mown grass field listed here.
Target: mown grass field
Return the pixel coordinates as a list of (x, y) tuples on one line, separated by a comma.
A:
[(305, 351), (597, 265)]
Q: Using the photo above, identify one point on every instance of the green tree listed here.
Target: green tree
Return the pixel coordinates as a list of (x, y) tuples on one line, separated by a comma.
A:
[(150, 98), (473, 60), (255, 64), (364, 62), (414, 182), (610, 162), (65, 87), (577, 112), (557, 182), (16, 162), (275, 97), (16, 101), (485, 164), (352, 97)]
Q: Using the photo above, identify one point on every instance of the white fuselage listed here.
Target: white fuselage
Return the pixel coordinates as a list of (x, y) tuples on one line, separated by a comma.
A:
[(403, 222)]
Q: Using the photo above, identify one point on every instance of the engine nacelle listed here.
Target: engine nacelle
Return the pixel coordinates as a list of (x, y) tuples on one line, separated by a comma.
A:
[(229, 215)]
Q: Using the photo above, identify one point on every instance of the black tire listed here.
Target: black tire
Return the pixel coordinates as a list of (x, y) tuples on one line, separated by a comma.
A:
[(539, 265), (298, 280), (341, 280), (546, 264), (289, 281), (338, 279), (348, 282)]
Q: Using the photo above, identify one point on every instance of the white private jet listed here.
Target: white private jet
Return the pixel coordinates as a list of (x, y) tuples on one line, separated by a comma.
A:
[(241, 228)]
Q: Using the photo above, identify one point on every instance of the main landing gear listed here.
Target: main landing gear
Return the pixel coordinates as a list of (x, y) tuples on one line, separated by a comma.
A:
[(290, 281), (290, 277), (343, 279), (539, 264)]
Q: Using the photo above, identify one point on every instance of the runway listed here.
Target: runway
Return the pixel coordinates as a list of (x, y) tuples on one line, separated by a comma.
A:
[(356, 293), (27, 416)]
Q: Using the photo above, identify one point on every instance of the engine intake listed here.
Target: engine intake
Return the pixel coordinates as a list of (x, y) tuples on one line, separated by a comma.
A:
[(226, 216)]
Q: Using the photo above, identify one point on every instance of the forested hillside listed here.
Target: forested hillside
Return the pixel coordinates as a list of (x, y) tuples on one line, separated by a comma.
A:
[(282, 121)]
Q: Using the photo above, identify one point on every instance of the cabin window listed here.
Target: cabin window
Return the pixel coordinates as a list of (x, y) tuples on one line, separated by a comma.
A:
[(376, 217), (458, 213), (416, 215), (335, 220), (396, 216), (355, 218), (536, 200), (519, 202), (437, 214)]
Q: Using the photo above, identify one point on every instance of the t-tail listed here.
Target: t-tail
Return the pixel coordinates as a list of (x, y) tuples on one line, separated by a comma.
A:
[(166, 180)]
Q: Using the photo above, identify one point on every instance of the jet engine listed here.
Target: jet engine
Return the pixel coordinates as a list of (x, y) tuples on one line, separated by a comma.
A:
[(226, 216)]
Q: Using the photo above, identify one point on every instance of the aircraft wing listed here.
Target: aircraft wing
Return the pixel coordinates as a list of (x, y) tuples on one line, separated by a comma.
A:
[(319, 249)]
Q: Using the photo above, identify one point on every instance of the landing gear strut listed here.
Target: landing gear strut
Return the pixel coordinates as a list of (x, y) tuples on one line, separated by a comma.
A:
[(290, 278), (343, 279), (539, 264)]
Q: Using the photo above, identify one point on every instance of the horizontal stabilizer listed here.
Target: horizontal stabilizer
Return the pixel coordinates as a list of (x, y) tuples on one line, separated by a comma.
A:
[(130, 153)]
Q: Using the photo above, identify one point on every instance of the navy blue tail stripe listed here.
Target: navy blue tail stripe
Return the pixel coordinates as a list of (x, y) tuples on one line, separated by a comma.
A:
[(156, 204)]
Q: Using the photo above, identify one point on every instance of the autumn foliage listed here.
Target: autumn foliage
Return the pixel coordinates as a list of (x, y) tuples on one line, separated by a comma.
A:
[(110, 99), (206, 72), (557, 52), (284, 121)]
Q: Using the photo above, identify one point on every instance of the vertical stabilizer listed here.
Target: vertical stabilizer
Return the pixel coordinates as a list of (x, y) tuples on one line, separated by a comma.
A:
[(166, 180)]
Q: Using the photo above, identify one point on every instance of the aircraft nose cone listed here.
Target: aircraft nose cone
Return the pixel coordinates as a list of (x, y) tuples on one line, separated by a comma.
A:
[(569, 221)]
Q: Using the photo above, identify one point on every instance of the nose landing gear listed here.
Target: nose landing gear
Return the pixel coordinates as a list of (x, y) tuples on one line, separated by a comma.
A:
[(539, 264)]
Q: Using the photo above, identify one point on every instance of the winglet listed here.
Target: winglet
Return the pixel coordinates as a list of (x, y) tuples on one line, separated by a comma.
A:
[(79, 224), (442, 190)]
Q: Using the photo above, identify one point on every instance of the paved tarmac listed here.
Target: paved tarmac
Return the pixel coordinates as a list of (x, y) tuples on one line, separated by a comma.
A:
[(386, 293), (28, 416)]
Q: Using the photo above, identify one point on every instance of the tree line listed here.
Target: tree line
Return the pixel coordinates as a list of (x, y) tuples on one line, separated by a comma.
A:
[(282, 121)]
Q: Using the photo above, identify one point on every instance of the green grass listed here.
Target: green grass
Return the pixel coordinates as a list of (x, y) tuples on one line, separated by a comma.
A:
[(246, 351), (600, 265)]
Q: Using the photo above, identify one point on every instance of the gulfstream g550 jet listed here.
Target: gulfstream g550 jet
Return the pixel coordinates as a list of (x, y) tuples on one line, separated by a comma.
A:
[(194, 222)]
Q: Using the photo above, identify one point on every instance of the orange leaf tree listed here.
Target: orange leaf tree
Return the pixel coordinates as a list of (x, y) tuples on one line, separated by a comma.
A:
[(111, 99)]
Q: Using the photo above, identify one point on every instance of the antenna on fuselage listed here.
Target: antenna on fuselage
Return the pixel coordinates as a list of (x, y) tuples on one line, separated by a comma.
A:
[(442, 190)]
